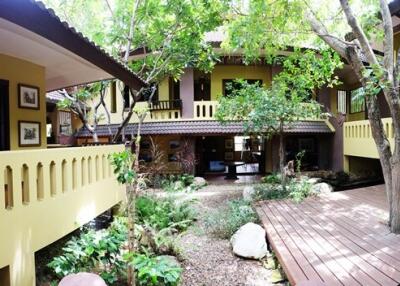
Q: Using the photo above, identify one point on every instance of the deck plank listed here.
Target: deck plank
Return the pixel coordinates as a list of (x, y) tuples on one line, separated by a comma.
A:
[(336, 239)]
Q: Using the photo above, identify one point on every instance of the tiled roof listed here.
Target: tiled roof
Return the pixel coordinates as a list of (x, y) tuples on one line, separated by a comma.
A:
[(204, 128), (54, 97), (52, 13)]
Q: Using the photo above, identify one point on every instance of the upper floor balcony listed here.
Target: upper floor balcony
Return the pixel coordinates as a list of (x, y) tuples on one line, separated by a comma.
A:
[(358, 140)]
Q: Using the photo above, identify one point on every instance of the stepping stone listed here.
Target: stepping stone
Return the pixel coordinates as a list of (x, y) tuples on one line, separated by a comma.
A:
[(82, 279)]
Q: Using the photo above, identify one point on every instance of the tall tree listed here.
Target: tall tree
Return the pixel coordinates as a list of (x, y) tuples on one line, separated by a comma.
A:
[(351, 30), (271, 110)]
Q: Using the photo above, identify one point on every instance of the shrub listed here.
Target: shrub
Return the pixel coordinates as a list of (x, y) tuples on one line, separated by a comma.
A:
[(296, 189), (156, 270), (180, 183), (299, 190), (163, 213), (94, 251), (271, 179), (226, 220)]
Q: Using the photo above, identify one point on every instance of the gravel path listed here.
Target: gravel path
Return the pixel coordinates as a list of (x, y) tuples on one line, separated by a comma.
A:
[(209, 261)]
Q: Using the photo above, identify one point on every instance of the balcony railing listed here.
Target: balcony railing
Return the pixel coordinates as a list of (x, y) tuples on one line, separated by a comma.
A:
[(205, 110), (358, 140), (48, 193), (166, 105)]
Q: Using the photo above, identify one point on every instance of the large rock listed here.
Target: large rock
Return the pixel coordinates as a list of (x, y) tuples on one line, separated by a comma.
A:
[(199, 181), (249, 241), (248, 193), (313, 181), (321, 188), (82, 279)]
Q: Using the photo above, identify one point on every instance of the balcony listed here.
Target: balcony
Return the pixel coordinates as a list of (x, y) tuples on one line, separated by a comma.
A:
[(47, 194), (358, 141)]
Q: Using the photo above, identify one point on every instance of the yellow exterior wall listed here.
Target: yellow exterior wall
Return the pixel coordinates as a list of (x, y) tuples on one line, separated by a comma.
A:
[(83, 186), (222, 72), (19, 71)]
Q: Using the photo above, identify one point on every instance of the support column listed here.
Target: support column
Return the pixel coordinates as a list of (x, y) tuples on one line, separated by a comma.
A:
[(268, 156), (186, 90), (346, 164)]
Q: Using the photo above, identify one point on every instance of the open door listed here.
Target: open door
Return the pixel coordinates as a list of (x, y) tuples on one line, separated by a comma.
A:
[(4, 116)]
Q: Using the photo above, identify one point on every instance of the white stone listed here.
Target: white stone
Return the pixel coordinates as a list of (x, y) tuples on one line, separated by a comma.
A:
[(313, 180), (199, 181), (82, 279), (248, 193), (249, 241), (321, 188)]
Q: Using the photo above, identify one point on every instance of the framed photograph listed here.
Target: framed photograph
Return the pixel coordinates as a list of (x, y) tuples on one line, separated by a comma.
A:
[(28, 96), (174, 144), (229, 143), (29, 133), (228, 156)]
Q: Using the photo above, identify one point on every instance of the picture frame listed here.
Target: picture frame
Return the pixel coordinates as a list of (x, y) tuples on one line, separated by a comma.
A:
[(174, 144), (29, 134), (229, 143), (229, 156), (28, 96)]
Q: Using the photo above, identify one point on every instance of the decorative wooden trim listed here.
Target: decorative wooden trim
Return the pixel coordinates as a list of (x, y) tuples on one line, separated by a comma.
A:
[(19, 134), (20, 85)]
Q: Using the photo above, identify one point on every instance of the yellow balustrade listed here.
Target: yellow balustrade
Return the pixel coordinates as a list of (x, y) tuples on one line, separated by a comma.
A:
[(205, 110), (358, 141), (46, 194)]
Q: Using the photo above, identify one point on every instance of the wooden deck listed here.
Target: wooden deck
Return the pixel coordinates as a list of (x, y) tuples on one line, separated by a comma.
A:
[(335, 239)]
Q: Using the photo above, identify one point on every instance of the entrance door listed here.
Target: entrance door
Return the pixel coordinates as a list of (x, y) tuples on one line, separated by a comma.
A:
[(202, 89), (4, 116)]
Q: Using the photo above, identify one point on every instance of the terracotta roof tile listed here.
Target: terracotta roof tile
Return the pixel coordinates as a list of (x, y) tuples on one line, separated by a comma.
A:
[(204, 128)]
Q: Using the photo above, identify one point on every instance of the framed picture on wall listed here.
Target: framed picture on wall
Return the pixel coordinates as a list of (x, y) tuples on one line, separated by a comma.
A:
[(28, 96), (229, 143), (29, 134), (174, 144)]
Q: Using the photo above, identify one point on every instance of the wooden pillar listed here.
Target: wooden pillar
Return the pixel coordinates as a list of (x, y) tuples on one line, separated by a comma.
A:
[(186, 89)]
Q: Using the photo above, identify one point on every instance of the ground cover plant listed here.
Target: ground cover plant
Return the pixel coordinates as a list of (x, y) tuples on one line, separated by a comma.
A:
[(180, 183), (105, 252), (227, 219)]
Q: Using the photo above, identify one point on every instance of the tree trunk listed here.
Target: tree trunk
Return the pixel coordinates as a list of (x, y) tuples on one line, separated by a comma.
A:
[(131, 197), (282, 155), (394, 220)]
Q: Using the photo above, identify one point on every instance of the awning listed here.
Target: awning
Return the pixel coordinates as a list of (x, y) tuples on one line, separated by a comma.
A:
[(30, 31)]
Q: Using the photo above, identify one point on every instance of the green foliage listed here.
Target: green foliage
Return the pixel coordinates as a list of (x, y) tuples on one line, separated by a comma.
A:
[(123, 166), (226, 220), (296, 189), (299, 159), (94, 251), (156, 270), (180, 183), (271, 179), (163, 213)]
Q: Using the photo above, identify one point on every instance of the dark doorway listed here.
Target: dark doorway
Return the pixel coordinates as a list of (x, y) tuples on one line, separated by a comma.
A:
[(202, 85), (4, 116)]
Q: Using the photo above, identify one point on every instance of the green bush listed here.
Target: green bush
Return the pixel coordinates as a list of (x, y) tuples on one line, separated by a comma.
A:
[(271, 179), (180, 183), (296, 189), (94, 251), (226, 220), (162, 213), (156, 270)]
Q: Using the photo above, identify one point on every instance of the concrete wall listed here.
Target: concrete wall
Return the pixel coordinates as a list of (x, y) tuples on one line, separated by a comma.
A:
[(18, 71), (50, 193), (222, 72)]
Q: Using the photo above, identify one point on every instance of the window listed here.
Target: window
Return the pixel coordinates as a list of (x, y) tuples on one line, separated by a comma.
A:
[(342, 101), (236, 85), (126, 97), (113, 93), (357, 100)]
